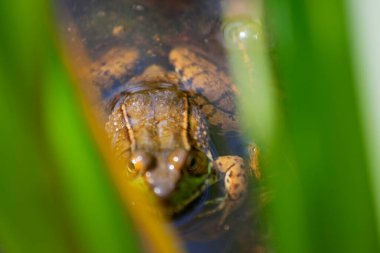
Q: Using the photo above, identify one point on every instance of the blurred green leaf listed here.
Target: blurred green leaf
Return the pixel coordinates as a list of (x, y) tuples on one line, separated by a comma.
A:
[(98, 220), (29, 213), (55, 192), (314, 157), (323, 200)]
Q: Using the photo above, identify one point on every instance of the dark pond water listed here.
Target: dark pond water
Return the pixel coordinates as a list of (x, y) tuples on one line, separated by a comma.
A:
[(155, 28)]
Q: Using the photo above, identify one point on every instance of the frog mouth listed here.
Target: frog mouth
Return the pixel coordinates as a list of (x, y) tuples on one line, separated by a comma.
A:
[(188, 190)]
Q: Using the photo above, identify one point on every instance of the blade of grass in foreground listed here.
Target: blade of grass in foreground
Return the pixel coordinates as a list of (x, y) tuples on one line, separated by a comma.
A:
[(364, 16), (56, 195), (316, 162), (97, 217), (29, 214), (323, 202)]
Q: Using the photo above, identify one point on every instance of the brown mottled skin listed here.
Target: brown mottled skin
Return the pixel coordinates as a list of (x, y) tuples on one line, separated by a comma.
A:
[(159, 122)]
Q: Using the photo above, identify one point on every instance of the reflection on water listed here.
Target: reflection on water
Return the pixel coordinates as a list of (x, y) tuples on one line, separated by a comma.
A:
[(154, 28)]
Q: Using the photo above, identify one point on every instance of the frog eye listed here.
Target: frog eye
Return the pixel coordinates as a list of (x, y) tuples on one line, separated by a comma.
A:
[(131, 169), (177, 159), (197, 163), (140, 162)]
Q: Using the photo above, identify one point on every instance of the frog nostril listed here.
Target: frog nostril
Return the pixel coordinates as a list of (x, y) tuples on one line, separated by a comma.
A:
[(177, 159)]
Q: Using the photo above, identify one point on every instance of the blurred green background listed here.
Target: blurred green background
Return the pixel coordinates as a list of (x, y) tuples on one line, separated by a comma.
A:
[(300, 102)]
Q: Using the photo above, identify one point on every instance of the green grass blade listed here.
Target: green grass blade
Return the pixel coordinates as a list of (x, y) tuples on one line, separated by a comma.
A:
[(55, 192), (29, 215), (96, 214), (324, 199)]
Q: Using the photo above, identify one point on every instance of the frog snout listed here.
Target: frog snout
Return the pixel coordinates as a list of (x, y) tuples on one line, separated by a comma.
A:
[(162, 180), (161, 170)]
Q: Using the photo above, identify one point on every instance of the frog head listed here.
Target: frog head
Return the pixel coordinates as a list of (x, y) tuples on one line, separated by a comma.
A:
[(163, 138)]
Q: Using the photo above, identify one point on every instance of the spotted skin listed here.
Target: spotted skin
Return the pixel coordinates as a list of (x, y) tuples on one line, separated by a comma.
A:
[(113, 66), (202, 77), (235, 179)]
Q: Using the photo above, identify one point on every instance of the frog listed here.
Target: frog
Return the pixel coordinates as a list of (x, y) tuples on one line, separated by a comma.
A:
[(159, 125), (163, 92)]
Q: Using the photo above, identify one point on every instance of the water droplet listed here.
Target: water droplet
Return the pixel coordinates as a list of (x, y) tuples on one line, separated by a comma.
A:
[(242, 32)]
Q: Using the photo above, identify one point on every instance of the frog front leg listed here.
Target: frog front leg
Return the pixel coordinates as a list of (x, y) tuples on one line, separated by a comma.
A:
[(235, 176), (235, 171), (235, 182)]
